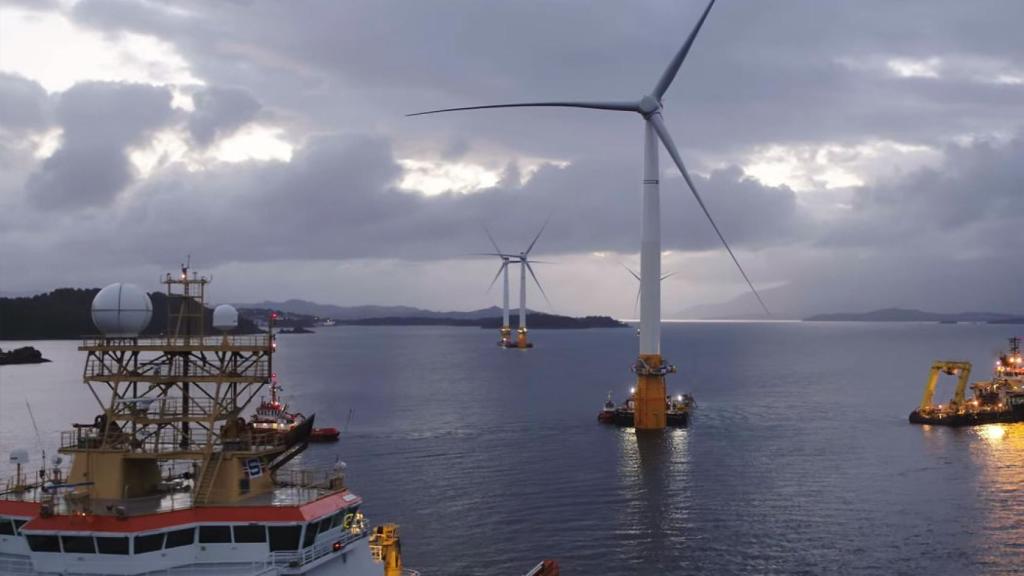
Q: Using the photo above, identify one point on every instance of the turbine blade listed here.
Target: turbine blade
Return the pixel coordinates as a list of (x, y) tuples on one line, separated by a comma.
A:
[(491, 238), (630, 270), (666, 139), (620, 106), (537, 237), (636, 305), (496, 276), (530, 270), (673, 67), (663, 276)]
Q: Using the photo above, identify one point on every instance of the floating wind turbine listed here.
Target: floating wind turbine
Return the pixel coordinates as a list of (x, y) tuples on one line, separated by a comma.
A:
[(650, 368), (506, 330), (524, 261), (524, 267), (636, 305)]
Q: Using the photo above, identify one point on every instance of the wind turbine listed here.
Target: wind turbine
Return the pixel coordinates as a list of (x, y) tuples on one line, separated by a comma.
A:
[(523, 259), (506, 329), (636, 304), (650, 367)]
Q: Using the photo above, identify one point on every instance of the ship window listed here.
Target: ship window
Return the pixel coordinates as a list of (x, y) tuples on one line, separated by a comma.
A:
[(108, 545), (284, 537), (17, 526), (336, 519), (6, 528), (149, 543), (78, 544), (181, 538), (325, 525), (250, 534), (47, 543), (215, 534), (310, 534)]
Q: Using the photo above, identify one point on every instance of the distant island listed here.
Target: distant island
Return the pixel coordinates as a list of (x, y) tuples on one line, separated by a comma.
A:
[(485, 318), (303, 314), (66, 313), (536, 320), (23, 355), (911, 315)]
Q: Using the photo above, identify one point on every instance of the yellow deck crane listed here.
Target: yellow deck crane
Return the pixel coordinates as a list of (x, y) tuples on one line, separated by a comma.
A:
[(960, 369)]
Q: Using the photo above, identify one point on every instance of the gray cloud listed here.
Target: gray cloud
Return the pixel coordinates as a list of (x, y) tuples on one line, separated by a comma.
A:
[(23, 104), (978, 184), (219, 112), (341, 76), (100, 120)]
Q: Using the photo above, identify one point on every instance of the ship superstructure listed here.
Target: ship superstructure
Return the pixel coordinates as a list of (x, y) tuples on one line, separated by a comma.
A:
[(169, 478), (1000, 399)]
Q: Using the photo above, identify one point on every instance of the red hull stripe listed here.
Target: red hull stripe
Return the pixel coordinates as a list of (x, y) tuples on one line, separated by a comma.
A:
[(205, 515)]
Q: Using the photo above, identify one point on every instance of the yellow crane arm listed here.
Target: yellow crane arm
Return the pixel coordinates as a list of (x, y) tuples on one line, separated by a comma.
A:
[(961, 369)]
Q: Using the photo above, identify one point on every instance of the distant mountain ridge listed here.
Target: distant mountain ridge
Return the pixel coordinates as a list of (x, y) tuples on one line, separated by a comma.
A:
[(343, 313), (312, 314), (912, 315)]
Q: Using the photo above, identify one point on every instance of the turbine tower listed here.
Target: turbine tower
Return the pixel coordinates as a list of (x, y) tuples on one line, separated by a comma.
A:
[(523, 258), (650, 368), (506, 330)]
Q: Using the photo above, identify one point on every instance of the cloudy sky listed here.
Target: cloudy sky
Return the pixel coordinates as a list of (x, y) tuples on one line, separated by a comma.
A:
[(856, 154)]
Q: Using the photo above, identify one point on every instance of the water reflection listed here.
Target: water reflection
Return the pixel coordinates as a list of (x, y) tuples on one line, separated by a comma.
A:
[(992, 433), (1000, 458), (655, 476)]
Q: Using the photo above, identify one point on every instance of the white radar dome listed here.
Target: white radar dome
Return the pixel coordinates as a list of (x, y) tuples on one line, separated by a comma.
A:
[(19, 456), (225, 317), (121, 310)]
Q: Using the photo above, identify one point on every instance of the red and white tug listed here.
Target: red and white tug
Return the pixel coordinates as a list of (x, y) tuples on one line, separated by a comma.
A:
[(273, 416), (169, 479)]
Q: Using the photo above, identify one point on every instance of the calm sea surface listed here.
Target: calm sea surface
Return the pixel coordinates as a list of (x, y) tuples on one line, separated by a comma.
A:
[(799, 459)]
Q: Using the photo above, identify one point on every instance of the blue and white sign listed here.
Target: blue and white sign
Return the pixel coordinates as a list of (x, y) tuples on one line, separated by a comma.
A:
[(252, 466)]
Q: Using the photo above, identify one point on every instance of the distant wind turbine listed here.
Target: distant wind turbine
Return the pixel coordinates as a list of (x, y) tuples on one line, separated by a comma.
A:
[(636, 304), (524, 261), (650, 367)]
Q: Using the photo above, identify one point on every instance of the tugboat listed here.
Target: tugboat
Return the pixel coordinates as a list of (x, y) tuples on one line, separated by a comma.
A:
[(677, 410), (168, 479), (273, 417), (1000, 399)]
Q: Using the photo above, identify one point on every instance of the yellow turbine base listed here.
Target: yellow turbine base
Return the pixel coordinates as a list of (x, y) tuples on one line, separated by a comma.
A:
[(649, 400)]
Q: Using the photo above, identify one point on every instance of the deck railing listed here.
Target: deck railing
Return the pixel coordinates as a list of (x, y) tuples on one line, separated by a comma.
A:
[(297, 558), (240, 341), (168, 440)]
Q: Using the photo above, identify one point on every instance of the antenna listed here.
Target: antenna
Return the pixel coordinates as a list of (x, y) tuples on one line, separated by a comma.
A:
[(39, 439)]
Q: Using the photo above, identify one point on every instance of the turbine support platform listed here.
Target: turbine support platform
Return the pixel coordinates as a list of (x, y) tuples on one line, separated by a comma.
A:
[(506, 338), (521, 341), (649, 409)]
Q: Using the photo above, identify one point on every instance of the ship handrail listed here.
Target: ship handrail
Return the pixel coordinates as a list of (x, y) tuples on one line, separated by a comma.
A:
[(167, 442), (312, 553), (262, 340)]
